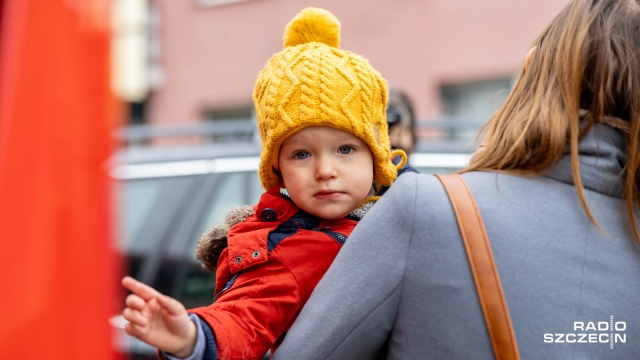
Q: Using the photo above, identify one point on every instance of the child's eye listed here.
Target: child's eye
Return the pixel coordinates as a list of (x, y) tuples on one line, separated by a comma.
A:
[(301, 155), (345, 150)]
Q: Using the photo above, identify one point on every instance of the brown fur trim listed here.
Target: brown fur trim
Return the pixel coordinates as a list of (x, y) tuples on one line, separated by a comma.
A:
[(214, 240)]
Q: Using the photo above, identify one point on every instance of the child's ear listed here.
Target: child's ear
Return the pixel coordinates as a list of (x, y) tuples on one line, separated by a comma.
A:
[(280, 179)]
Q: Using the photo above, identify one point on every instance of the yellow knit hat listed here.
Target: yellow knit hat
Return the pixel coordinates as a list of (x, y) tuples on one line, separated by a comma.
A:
[(314, 83)]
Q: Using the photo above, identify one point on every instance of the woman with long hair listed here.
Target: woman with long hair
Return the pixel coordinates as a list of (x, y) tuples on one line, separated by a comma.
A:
[(556, 185)]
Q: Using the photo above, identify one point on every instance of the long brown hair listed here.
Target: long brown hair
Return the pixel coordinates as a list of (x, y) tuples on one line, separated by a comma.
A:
[(588, 58)]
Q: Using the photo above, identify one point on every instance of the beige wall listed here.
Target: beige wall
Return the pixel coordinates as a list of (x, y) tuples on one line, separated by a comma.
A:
[(211, 55)]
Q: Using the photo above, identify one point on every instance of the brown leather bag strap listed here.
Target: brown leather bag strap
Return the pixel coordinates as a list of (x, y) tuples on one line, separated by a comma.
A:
[(485, 274)]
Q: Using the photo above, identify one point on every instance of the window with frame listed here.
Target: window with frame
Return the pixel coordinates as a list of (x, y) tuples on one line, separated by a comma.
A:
[(469, 105)]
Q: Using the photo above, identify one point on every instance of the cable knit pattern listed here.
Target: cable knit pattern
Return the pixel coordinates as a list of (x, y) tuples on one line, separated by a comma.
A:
[(327, 88), (312, 82), (309, 74), (364, 79)]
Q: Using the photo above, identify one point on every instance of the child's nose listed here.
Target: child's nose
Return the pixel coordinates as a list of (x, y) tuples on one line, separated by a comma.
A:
[(325, 168)]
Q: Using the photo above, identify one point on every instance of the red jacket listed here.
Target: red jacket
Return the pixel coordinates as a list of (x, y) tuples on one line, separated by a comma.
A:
[(273, 262)]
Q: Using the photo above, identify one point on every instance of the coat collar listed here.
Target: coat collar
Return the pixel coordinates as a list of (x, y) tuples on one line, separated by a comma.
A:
[(602, 161)]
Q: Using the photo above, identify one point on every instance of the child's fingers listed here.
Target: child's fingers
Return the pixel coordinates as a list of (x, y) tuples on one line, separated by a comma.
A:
[(134, 317), (146, 292), (135, 302), (171, 305), (135, 330)]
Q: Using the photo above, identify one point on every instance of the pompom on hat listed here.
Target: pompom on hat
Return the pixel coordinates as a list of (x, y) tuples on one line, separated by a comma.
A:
[(312, 82)]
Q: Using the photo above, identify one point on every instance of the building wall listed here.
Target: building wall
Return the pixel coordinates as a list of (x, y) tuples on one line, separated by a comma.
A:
[(210, 55)]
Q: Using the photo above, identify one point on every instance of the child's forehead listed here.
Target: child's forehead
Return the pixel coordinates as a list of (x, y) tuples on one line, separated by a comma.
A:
[(315, 132)]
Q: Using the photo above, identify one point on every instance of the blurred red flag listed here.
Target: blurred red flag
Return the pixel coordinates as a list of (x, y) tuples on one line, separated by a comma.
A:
[(57, 269)]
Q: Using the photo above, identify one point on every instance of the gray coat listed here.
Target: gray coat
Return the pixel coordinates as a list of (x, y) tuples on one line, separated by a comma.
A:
[(403, 276)]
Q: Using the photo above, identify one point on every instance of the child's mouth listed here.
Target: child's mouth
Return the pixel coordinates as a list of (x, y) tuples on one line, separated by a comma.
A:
[(327, 194)]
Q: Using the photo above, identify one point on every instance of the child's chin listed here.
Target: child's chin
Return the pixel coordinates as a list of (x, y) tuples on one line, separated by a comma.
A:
[(330, 215)]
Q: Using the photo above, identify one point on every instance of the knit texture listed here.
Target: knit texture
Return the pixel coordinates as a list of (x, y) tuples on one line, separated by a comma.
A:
[(312, 82)]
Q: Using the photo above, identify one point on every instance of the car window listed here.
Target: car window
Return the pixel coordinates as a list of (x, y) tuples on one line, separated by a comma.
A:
[(137, 200), (229, 195), (255, 189)]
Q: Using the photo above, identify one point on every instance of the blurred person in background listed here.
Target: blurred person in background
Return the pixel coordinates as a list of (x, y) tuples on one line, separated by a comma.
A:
[(402, 124), (402, 121), (557, 189)]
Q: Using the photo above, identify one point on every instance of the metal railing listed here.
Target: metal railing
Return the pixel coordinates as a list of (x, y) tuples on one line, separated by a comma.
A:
[(444, 134), (206, 131)]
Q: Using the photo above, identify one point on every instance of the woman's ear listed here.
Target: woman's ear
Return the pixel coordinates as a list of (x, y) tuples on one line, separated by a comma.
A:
[(527, 60)]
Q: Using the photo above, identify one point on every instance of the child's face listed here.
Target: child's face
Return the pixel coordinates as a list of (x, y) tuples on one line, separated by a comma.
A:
[(327, 172)]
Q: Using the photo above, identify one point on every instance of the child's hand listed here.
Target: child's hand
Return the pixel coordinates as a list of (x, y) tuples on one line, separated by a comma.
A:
[(158, 320)]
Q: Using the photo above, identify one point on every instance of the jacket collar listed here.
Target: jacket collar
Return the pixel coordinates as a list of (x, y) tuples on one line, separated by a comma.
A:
[(602, 160), (285, 207), (273, 200)]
